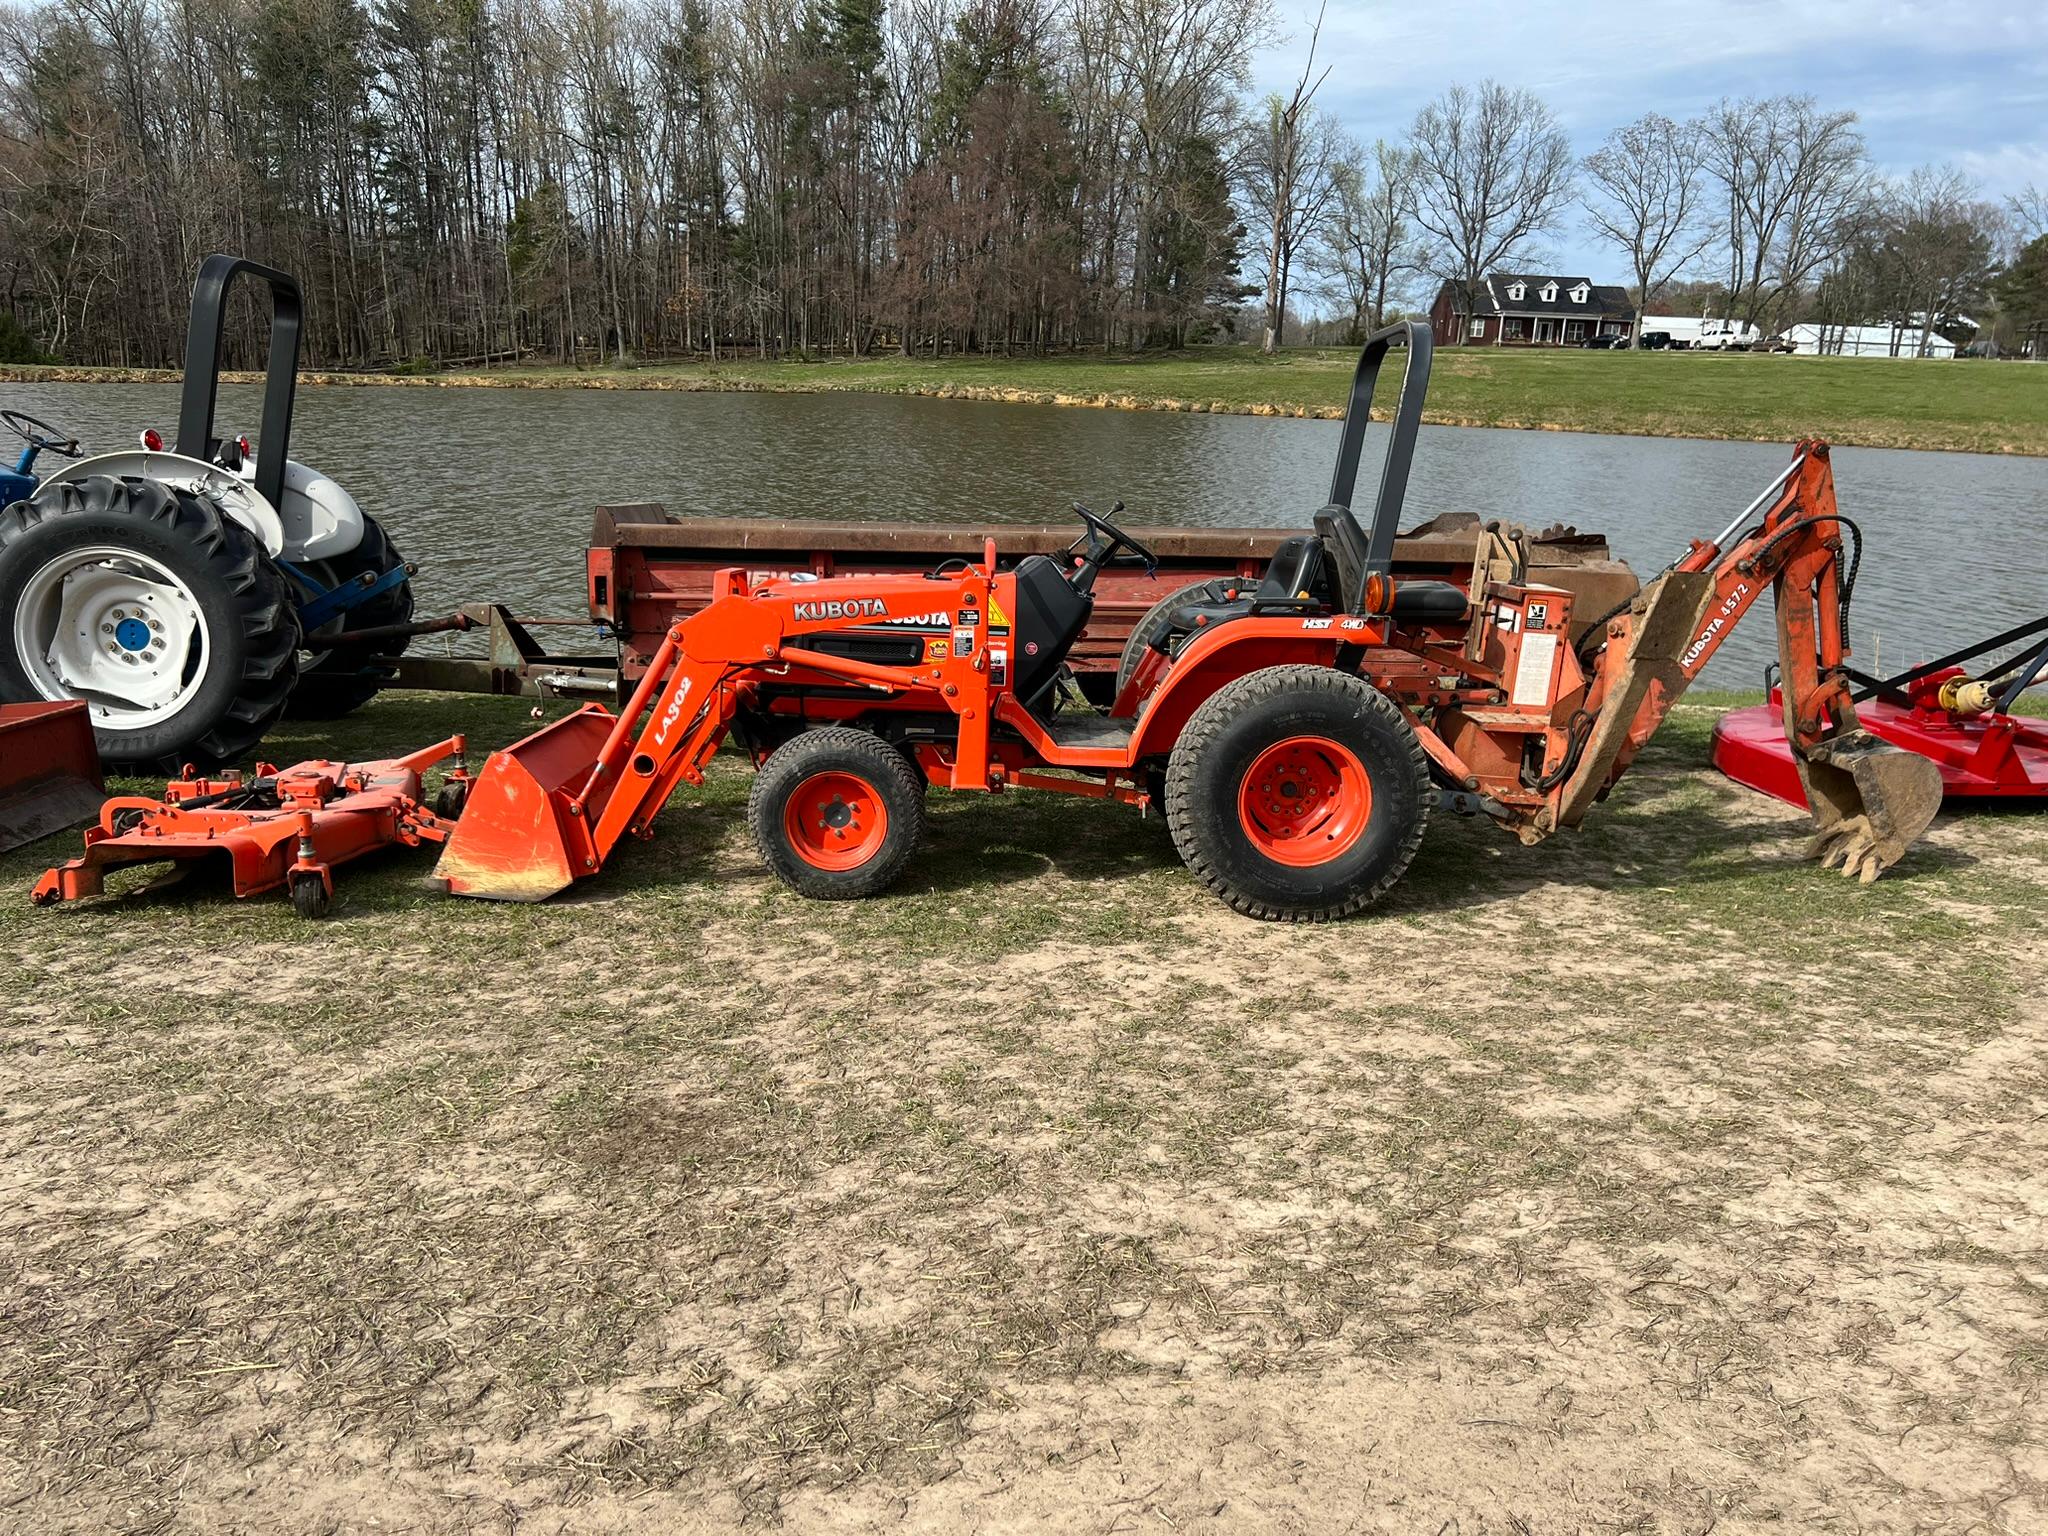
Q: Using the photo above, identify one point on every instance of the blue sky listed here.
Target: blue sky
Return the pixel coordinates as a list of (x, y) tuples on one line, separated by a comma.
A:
[(1963, 82)]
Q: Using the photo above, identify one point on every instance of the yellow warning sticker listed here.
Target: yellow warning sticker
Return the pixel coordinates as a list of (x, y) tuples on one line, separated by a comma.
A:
[(996, 616)]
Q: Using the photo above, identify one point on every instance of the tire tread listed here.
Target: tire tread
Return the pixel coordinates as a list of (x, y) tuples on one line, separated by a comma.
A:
[(1216, 714)]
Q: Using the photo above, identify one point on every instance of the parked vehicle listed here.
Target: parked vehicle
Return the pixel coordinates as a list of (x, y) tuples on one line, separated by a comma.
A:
[(1607, 343), (1724, 336), (192, 594), (1778, 343), (1659, 341)]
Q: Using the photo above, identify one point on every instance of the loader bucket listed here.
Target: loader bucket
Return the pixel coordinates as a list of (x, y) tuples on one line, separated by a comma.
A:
[(518, 839), (1870, 801), (49, 771)]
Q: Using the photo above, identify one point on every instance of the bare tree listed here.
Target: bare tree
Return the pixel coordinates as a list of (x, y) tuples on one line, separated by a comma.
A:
[(1288, 162), (1644, 198), (1368, 245), (2030, 212), (1798, 188), (1942, 245), (1492, 171)]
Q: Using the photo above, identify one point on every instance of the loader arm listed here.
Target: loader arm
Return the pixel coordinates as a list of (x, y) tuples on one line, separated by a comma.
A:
[(1869, 800), (549, 810)]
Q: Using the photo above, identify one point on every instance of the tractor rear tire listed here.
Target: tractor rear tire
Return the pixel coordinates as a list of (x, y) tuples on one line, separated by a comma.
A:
[(332, 683), (837, 813), (1298, 794), (164, 560), (1151, 627)]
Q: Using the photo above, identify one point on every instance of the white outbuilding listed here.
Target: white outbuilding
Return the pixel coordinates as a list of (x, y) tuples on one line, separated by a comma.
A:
[(1901, 340)]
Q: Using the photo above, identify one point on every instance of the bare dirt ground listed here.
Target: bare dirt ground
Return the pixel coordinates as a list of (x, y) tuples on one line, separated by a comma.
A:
[(1648, 1181)]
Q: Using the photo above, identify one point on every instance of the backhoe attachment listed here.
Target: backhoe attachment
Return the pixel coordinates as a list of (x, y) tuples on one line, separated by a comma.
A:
[(1870, 801)]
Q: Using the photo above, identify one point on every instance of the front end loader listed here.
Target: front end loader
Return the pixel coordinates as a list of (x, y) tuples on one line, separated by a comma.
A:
[(1296, 732)]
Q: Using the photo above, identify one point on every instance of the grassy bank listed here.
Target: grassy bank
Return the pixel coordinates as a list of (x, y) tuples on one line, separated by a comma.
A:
[(1649, 1179), (1873, 402)]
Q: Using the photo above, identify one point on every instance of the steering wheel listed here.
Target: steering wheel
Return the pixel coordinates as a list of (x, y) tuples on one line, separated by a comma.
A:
[(40, 435), (1104, 539)]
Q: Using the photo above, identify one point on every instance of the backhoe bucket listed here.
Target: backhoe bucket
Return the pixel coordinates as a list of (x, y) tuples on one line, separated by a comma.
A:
[(1669, 611), (49, 771), (1870, 801), (518, 839)]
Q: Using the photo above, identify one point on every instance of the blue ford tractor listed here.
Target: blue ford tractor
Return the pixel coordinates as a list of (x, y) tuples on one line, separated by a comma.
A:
[(192, 594)]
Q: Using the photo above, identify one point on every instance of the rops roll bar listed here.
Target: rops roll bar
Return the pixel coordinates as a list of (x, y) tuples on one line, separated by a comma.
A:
[(1376, 556), (202, 366)]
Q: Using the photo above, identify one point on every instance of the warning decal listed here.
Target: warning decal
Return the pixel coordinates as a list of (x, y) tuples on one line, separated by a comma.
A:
[(995, 612), (1532, 670)]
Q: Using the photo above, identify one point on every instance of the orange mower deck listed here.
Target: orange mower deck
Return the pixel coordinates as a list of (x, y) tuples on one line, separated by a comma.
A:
[(285, 828)]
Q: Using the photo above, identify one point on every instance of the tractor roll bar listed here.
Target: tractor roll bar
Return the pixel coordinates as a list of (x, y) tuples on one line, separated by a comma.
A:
[(1407, 419), (202, 366)]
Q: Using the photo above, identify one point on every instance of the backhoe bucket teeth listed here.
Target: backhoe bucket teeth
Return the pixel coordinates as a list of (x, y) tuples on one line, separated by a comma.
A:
[(519, 839), (1870, 800)]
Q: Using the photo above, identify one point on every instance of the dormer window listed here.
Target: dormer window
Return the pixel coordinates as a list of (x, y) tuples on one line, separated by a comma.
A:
[(1549, 294), (1516, 290), (1579, 294)]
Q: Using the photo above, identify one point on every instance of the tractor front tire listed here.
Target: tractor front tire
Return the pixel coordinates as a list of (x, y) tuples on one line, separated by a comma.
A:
[(335, 681), (837, 813), (120, 576), (1298, 794)]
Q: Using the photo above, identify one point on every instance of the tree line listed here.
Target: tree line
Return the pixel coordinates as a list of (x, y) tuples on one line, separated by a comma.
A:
[(470, 181)]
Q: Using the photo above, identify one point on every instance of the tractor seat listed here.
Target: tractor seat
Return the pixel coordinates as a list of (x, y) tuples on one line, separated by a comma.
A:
[(1295, 582), (1429, 602)]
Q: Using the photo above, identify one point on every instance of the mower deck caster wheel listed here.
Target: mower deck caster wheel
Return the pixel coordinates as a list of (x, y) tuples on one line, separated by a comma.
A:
[(451, 798), (310, 896)]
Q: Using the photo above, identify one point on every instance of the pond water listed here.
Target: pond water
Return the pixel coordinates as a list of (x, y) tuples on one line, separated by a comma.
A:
[(490, 490)]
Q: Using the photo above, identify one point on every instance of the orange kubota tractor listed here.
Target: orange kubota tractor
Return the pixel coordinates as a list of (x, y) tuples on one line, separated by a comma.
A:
[(1296, 733)]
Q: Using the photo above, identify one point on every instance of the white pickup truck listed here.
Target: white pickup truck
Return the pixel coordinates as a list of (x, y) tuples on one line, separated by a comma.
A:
[(1724, 336)]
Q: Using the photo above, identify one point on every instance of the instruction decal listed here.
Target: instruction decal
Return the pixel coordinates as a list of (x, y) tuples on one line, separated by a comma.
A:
[(1533, 669)]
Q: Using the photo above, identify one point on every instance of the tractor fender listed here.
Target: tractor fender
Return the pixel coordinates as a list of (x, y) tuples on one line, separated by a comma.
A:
[(1224, 654), (317, 521), (234, 495)]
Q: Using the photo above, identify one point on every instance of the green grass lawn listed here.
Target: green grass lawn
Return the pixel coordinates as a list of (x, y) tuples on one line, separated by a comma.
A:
[(1993, 408), (1687, 1183), (1874, 402)]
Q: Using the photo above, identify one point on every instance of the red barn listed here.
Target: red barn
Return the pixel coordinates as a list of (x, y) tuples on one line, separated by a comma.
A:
[(1518, 309)]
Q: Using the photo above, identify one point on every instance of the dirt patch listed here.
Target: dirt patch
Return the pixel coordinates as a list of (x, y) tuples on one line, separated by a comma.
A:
[(1649, 1180)]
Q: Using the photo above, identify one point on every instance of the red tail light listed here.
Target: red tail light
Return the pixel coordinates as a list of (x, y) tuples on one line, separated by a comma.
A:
[(153, 440)]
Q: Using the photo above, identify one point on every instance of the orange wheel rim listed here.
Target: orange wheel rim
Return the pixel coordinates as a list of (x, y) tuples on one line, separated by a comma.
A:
[(1305, 801), (835, 821)]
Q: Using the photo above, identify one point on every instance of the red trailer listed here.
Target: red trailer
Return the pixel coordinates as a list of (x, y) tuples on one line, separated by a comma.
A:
[(647, 569)]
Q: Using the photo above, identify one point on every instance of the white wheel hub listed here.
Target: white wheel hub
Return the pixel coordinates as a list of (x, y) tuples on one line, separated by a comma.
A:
[(115, 628)]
